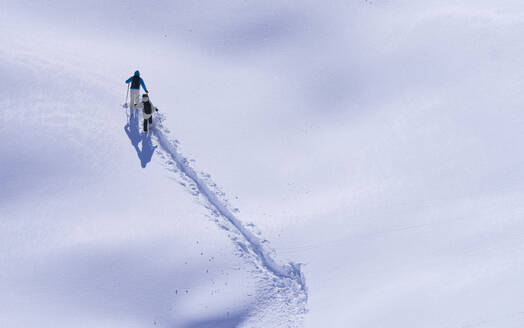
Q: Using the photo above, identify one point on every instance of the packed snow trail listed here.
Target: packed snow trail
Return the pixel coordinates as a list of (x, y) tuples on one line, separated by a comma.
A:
[(289, 276)]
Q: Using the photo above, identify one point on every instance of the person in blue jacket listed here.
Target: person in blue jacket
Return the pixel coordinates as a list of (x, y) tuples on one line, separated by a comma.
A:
[(136, 81)]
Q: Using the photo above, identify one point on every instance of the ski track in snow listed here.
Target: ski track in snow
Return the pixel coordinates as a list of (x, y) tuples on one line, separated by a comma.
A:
[(285, 283)]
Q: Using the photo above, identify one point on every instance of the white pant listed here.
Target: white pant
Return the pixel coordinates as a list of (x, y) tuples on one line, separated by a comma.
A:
[(135, 94)]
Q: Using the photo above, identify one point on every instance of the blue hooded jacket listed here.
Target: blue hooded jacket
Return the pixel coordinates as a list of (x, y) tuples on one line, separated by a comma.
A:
[(137, 73)]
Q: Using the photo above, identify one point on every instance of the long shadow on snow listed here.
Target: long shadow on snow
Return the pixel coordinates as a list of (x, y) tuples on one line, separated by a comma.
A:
[(146, 153), (231, 320)]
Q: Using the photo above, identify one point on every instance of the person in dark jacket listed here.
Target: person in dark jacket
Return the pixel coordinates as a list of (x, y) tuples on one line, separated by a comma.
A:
[(136, 82), (147, 107)]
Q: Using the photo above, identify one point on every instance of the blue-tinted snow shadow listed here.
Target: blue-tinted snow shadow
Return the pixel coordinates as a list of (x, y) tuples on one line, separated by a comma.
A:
[(255, 33), (130, 281), (231, 320), (133, 133)]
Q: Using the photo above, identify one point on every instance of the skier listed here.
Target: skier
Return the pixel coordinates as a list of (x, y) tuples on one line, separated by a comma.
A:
[(136, 81), (147, 107)]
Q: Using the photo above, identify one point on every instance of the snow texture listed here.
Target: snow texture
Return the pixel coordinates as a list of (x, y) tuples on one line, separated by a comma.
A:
[(288, 279), (373, 147)]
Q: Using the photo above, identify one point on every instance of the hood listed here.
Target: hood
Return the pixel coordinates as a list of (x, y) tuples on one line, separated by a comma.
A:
[(137, 73)]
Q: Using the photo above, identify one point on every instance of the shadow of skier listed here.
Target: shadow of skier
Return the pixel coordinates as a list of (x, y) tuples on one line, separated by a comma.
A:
[(146, 153)]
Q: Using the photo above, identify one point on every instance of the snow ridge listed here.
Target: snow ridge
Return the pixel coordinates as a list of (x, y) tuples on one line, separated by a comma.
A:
[(288, 275)]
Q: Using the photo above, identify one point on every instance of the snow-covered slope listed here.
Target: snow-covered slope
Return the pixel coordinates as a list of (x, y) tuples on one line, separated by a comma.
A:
[(374, 145), (90, 236), (111, 227)]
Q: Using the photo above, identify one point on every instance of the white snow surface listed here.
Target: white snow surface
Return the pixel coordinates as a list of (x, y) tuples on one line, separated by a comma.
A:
[(313, 164)]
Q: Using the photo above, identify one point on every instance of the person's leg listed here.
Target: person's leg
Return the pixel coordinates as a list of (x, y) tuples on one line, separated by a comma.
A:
[(150, 122), (131, 101), (134, 98), (145, 125)]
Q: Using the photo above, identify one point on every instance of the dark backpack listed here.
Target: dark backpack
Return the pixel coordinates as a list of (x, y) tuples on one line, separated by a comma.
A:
[(147, 107), (136, 82)]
